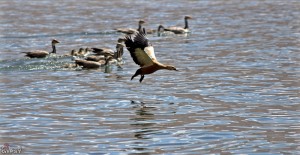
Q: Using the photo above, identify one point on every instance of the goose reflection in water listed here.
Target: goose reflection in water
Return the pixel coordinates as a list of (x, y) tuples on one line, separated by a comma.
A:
[(142, 124), (143, 120)]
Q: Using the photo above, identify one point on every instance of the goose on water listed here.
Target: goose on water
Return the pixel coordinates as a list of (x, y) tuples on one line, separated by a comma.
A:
[(131, 30), (179, 30), (42, 54), (93, 64)]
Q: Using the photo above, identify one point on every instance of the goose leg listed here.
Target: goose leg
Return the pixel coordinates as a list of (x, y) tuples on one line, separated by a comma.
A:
[(133, 76), (136, 73), (141, 79)]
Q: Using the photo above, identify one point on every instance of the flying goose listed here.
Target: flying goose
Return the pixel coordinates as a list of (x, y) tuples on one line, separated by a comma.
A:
[(179, 30), (131, 30), (142, 53), (41, 54)]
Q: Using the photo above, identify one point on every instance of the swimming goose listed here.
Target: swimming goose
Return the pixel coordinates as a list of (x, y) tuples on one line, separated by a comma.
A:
[(131, 30), (42, 54), (88, 64), (161, 31), (108, 51), (180, 30), (141, 22), (73, 53), (103, 51), (119, 53), (142, 53), (84, 52), (117, 56), (80, 52), (92, 64), (95, 57)]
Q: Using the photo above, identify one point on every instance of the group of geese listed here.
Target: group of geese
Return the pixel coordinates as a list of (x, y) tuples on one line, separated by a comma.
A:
[(136, 42), (161, 29)]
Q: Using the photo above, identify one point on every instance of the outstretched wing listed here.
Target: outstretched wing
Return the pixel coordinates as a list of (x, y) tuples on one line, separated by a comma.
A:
[(141, 51)]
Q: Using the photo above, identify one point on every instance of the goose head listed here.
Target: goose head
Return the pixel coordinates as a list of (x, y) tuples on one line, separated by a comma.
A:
[(169, 67), (121, 40), (81, 51), (120, 45), (141, 22), (160, 28), (187, 17), (54, 41), (88, 49), (73, 52)]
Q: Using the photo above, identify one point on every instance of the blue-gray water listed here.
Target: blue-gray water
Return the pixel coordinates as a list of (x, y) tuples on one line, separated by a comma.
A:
[(237, 91)]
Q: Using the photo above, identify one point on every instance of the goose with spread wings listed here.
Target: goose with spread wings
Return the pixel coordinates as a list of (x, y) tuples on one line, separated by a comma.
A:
[(142, 53)]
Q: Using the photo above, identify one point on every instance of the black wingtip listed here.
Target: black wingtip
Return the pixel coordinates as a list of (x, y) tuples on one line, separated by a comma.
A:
[(137, 40)]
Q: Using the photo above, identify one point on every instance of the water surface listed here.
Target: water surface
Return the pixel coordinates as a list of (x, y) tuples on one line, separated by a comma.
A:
[(237, 91)]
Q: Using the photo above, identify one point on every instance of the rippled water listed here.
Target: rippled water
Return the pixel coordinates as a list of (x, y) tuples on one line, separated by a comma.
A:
[(237, 91)]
